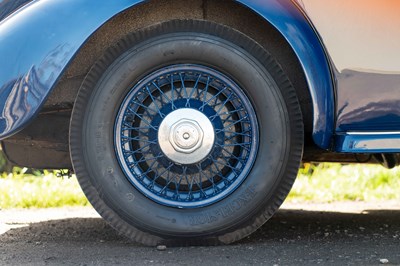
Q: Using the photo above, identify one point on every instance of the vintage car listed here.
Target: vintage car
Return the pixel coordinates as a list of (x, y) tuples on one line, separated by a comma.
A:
[(186, 121)]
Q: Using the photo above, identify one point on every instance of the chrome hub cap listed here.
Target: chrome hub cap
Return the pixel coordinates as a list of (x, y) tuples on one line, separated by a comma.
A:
[(186, 136)]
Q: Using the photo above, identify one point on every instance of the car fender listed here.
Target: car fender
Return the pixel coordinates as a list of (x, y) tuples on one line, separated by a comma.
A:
[(35, 55), (37, 43), (292, 22)]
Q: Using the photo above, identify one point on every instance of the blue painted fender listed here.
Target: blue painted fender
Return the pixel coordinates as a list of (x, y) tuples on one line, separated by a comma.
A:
[(36, 45), (290, 20), (35, 49)]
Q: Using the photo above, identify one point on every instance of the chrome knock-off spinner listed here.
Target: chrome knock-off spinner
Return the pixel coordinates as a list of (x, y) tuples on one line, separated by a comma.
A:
[(186, 136)]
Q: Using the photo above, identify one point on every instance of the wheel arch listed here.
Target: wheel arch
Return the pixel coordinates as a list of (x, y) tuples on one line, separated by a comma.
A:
[(279, 26), (305, 62)]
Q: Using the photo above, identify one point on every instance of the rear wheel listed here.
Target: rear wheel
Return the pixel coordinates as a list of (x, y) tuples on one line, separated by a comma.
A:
[(187, 132)]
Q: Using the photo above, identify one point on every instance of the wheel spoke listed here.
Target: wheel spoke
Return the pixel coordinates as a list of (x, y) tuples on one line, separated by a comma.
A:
[(192, 92), (155, 102), (205, 92)]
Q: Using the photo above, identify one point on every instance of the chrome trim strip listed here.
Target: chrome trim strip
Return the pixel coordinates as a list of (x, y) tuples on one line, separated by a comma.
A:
[(368, 142), (373, 133)]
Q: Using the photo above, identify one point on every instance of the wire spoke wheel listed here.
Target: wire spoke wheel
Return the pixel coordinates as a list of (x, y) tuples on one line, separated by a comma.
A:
[(186, 136)]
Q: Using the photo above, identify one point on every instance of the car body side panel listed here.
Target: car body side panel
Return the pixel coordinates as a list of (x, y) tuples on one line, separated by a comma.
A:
[(359, 34), (364, 44)]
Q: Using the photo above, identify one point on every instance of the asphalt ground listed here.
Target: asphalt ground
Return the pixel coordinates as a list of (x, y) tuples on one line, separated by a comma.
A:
[(299, 234)]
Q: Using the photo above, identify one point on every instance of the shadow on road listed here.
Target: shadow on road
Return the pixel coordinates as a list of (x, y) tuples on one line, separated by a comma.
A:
[(291, 237)]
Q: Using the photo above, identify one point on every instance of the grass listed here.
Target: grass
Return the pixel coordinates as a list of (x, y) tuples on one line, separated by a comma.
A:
[(330, 182), (21, 190), (315, 183)]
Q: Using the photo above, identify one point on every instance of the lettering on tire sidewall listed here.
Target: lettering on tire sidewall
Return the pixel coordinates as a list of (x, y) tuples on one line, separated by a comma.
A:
[(227, 210)]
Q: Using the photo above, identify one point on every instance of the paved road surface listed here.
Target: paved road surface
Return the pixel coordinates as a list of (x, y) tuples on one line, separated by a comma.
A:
[(338, 234)]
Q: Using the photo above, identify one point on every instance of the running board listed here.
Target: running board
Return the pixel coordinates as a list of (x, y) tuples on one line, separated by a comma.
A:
[(368, 142)]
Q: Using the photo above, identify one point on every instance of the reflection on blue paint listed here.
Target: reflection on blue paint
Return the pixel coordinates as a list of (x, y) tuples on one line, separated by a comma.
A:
[(21, 96), (26, 93), (368, 101), (36, 44)]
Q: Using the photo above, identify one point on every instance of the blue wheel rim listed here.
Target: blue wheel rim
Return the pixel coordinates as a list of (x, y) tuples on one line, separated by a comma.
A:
[(219, 173)]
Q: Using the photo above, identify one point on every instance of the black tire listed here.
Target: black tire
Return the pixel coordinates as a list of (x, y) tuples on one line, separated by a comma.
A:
[(269, 92)]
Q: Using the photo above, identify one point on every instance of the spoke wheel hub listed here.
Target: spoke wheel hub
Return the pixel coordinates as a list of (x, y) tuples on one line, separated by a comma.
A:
[(186, 136)]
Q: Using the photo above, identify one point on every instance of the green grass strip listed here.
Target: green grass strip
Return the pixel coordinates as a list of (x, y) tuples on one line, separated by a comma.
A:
[(321, 183), (330, 182), (30, 191)]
